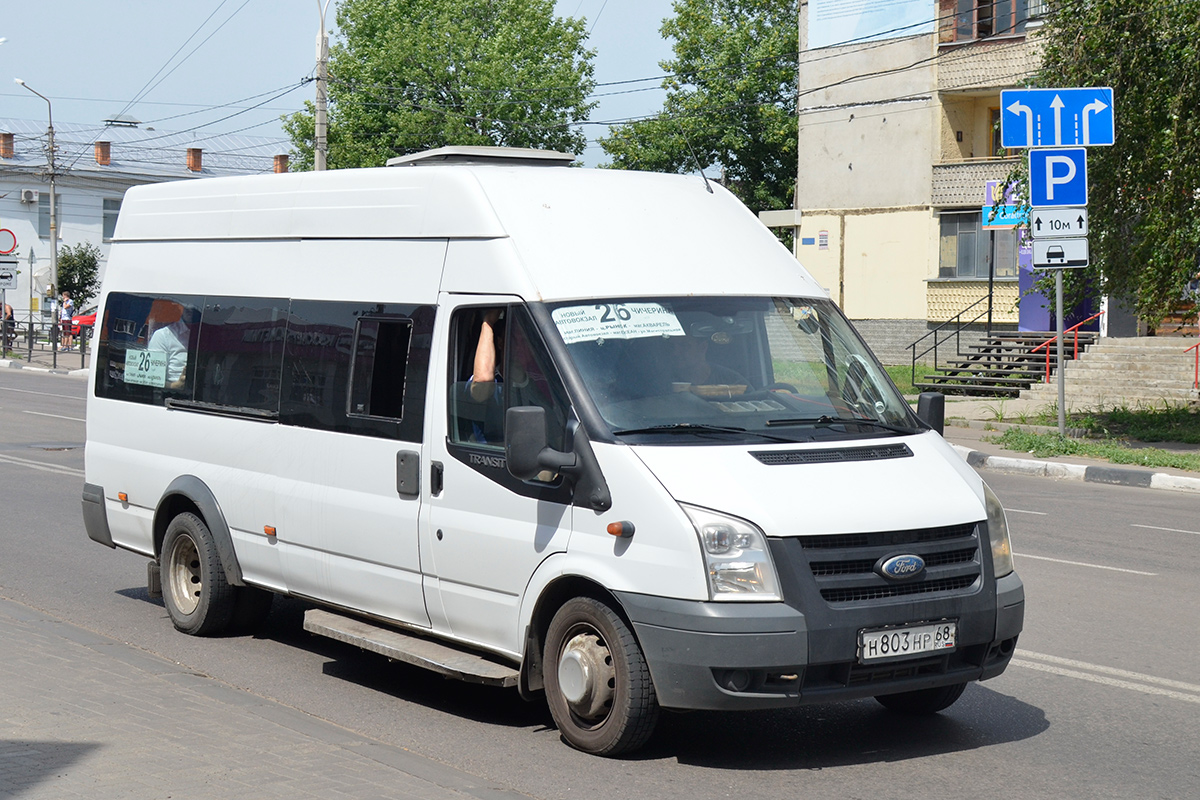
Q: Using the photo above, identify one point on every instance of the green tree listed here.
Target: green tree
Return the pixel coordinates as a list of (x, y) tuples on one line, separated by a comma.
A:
[(79, 272), (731, 100), (409, 75), (1144, 191)]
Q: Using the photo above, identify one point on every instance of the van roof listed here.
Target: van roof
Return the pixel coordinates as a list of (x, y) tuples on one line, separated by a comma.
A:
[(576, 232)]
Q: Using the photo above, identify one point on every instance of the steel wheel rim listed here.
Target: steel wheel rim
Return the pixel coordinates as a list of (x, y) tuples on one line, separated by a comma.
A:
[(586, 676), (183, 574)]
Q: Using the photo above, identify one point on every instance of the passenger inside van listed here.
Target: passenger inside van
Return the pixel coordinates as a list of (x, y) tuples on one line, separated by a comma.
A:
[(169, 334)]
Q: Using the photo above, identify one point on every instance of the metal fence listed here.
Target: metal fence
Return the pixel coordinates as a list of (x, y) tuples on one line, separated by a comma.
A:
[(39, 337)]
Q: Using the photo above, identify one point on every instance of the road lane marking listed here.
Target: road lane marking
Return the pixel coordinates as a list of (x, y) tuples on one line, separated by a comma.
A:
[(1172, 530), (1101, 675), (1119, 673), (1083, 564), (43, 394), (1020, 511), (56, 416), (39, 465)]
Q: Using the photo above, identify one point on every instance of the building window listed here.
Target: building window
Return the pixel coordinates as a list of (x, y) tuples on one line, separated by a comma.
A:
[(980, 19), (966, 249), (44, 214), (111, 209)]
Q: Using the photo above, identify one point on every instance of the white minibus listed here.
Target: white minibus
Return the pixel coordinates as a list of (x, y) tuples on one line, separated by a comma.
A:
[(591, 434)]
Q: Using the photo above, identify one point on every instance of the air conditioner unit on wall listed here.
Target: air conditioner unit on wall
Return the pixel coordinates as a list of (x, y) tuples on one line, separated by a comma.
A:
[(29, 195)]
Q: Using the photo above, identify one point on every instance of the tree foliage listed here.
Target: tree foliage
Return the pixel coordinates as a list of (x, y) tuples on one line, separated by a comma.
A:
[(79, 272), (731, 100), (1144, 191), (409, 75)]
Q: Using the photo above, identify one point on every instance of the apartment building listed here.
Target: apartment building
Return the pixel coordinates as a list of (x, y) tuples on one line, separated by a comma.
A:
[(899, 145)]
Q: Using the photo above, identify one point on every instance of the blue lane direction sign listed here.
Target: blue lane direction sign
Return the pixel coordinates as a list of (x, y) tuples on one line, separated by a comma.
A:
[(1056, 117), (1058, 223), (1060, 253), (1058, 177)]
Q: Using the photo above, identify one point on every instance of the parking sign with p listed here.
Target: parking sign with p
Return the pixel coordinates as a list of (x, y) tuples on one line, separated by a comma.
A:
[(1058, 176)]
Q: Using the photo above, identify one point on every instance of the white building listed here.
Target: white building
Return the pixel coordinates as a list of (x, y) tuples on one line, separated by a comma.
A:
[(94, 165)]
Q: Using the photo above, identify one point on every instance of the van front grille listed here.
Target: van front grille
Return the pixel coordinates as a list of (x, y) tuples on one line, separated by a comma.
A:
[(843, 565)]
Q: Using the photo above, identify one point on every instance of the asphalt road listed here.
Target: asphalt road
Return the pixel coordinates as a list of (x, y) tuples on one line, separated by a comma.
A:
[(1102, 699)]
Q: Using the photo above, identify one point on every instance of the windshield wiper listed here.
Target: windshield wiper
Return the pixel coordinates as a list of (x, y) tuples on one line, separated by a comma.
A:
[(825, 419), (694, 427)]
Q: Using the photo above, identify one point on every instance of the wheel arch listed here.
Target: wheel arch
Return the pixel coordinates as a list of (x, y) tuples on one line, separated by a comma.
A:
[(189, 494), (552, 597)]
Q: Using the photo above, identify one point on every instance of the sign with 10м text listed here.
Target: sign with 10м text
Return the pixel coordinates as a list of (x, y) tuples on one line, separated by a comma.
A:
[(1057, 223), (1058, 177), (1056, 117)]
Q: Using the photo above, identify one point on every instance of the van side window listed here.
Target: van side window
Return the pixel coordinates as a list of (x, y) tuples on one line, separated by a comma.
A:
[(357, 368), (241, 352), (523, 375), (147, 347), (380, 361)]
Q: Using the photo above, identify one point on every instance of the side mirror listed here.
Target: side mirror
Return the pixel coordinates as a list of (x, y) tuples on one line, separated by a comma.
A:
[(931, 409), (528, 453), (525, 444)]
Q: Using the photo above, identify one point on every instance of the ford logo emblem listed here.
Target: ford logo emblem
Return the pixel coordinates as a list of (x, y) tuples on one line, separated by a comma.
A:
[(900, 568)]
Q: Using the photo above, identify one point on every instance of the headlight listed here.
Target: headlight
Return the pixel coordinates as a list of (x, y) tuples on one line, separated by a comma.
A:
[(738, 562), (1002, 560)]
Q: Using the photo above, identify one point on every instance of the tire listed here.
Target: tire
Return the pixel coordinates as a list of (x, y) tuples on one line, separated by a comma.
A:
[(608, 705), (251, 607), (923, 701), (198, 598)]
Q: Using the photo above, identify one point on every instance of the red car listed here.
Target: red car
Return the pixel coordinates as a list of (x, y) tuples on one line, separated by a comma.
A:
[(87, 318)]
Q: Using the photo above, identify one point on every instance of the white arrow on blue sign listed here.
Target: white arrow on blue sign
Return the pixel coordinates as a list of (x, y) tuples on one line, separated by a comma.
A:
[(1058, 177), (1056, 117)]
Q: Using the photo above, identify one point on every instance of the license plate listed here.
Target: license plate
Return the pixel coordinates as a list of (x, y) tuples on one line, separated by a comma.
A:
[(879, 644)]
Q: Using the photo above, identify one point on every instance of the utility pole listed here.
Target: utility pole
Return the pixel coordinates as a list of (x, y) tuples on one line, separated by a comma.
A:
[(321, 145), (54, 326)]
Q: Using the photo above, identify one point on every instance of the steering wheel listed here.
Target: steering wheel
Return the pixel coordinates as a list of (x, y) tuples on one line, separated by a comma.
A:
[(781, 385), (860, 389)]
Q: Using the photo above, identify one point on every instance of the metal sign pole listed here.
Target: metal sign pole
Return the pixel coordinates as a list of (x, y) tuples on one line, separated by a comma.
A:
[(1062, 377)]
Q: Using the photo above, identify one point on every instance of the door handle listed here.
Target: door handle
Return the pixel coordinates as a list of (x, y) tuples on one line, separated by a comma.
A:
[(408, 474), (436, 472)]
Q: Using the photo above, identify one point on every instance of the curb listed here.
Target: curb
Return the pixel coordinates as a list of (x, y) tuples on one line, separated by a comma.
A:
[(1078, 472), (73, 373)]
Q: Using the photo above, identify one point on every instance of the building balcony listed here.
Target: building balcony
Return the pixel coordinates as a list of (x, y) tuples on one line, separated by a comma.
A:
[(963, 183), (995, 64)]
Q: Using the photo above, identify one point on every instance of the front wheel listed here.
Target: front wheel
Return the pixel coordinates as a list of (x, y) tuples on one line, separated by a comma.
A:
[(923, 701), (198, 598), (598, 686)]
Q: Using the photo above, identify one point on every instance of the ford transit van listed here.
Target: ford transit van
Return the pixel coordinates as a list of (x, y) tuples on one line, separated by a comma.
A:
[(591, 434)]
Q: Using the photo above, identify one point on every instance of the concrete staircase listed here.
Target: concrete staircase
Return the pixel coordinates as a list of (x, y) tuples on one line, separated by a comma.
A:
[(1141, 372)]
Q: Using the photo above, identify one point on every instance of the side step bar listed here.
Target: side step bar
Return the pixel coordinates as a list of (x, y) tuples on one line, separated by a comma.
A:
[(441, 658)]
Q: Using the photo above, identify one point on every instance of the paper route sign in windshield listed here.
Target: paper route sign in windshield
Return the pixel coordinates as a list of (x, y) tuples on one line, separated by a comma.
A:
[(615, 321)]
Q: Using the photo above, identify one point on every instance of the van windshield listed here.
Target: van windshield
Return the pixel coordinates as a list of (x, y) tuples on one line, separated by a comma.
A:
[(735, 369)]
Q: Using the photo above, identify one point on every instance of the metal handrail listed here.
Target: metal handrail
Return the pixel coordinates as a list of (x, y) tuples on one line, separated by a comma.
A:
[(1075, 353), (933, 333), (1196, 379)]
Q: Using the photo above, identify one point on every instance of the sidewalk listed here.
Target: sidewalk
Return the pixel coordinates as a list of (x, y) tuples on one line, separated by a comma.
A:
[(86, 716), (70, 362), (969, 421)]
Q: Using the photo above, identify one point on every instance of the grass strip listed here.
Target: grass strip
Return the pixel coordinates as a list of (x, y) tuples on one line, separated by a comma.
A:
[(1045, 445)]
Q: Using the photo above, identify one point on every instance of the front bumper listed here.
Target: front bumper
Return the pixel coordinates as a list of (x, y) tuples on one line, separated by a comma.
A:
[(730, 656)]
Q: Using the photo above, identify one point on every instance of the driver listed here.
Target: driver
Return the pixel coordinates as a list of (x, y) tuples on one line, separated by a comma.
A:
[(690, 364)]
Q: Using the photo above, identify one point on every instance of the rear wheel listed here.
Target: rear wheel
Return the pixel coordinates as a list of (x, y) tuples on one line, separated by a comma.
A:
[(598, 686), (923, 701), (198, 598)]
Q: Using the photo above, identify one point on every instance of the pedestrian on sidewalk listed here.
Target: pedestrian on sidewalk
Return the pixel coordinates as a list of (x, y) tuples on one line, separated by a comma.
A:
[(9, 326), (66, 310)]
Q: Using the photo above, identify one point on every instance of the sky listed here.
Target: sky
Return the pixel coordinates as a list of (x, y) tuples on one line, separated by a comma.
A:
[(226, 66)]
